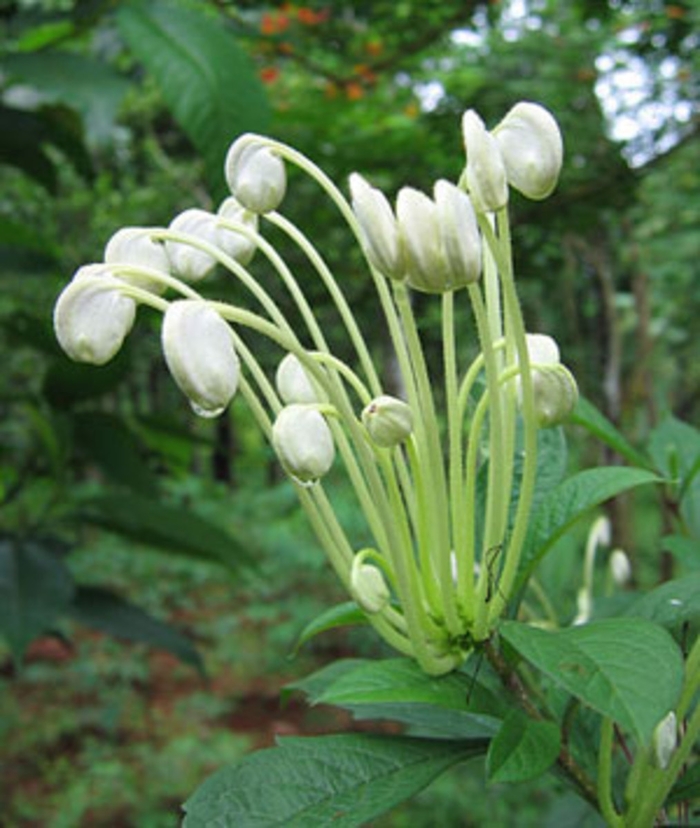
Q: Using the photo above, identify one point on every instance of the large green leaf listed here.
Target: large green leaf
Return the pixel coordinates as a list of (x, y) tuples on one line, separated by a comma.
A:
[(614, 666), (340, 781), (35, 588), (204, 76), (523, 749), (568, 502), (455, 706), (107, 612), (342, 615), (170, 528), (673, 605)]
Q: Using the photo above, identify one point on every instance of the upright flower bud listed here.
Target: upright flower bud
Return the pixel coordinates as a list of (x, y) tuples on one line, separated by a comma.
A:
[(236, 245), (199, 352), (419, 231), (531, 146), (665, 739), (459, 232), (485, 172), (188, 261), (255, 175), (388, 421), (92, 315), (303, 442), (133, 246), (293, 383), (367, 586), (380, 235), (620, 567)]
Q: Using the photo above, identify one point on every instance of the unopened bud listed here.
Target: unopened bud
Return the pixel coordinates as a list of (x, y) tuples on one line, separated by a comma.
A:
[(189, 261), (485, 172), (388, 420), (556, 395), (665, 739), (620, 567), (236, 245), (378, 226), (368, 587), (293, 383), (531, 146), (199, 352), (303, 442), (459, 232), (255, 175), (133, 246), (419, 230), (92, 315)]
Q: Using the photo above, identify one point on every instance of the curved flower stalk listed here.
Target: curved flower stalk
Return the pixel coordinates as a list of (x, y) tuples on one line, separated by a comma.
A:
[(438, 575)]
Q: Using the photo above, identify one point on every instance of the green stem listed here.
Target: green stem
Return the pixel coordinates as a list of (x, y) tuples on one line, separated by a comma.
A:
[(605, 752)]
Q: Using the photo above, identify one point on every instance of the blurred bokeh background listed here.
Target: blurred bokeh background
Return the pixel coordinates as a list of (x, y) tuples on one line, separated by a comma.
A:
[(155, 570)]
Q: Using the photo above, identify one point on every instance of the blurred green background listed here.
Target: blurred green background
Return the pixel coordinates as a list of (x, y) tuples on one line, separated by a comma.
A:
[(155, 570)]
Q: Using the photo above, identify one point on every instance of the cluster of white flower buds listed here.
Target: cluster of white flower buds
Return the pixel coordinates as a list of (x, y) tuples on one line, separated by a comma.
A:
[(418, 585)]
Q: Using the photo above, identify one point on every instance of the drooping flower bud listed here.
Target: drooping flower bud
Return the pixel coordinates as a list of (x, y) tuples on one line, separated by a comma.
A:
[(293, 383), (388, 420), (236, 245), (255, 175), (620, 567), (303, 442), (485, 172), (133, 246), (200, 355), (368, 587), (554, 387), (380, 235), (665, 739), (531, 146), (459, 232), (92, 315), (187, 260)]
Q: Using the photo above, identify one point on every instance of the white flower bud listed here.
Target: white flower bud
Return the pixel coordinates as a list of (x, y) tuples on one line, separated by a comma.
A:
[(620, 567), (554, 387), (255, 175), (485, 172), (459, 232), (368, 587), (92, 316), (531, 146), (303, 442), (190, 262), (419, 231), (133, 246), (380, 234), (293, 383), (199, 352), (388, 421), (542, 349), (665, 739), (236, 245)]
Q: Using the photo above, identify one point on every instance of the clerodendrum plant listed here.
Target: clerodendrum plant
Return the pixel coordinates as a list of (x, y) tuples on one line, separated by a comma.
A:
[(450, 557)]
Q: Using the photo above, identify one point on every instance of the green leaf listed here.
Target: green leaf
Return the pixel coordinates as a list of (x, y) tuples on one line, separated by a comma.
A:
[(671, 605), (342, 615), (523, 749), (453, 706), (568, 502), (588, 416), (35, 588), (343, 780), (612, 665), (687, 787), (107, 612), (685, 550), (171, 528), (674, 447), (204, 76)]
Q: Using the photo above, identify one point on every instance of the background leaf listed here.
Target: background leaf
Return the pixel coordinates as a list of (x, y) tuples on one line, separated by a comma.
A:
[(612, 665), (342, 780), (35, 588), (205, 78), (587, 415), (672, 605)]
